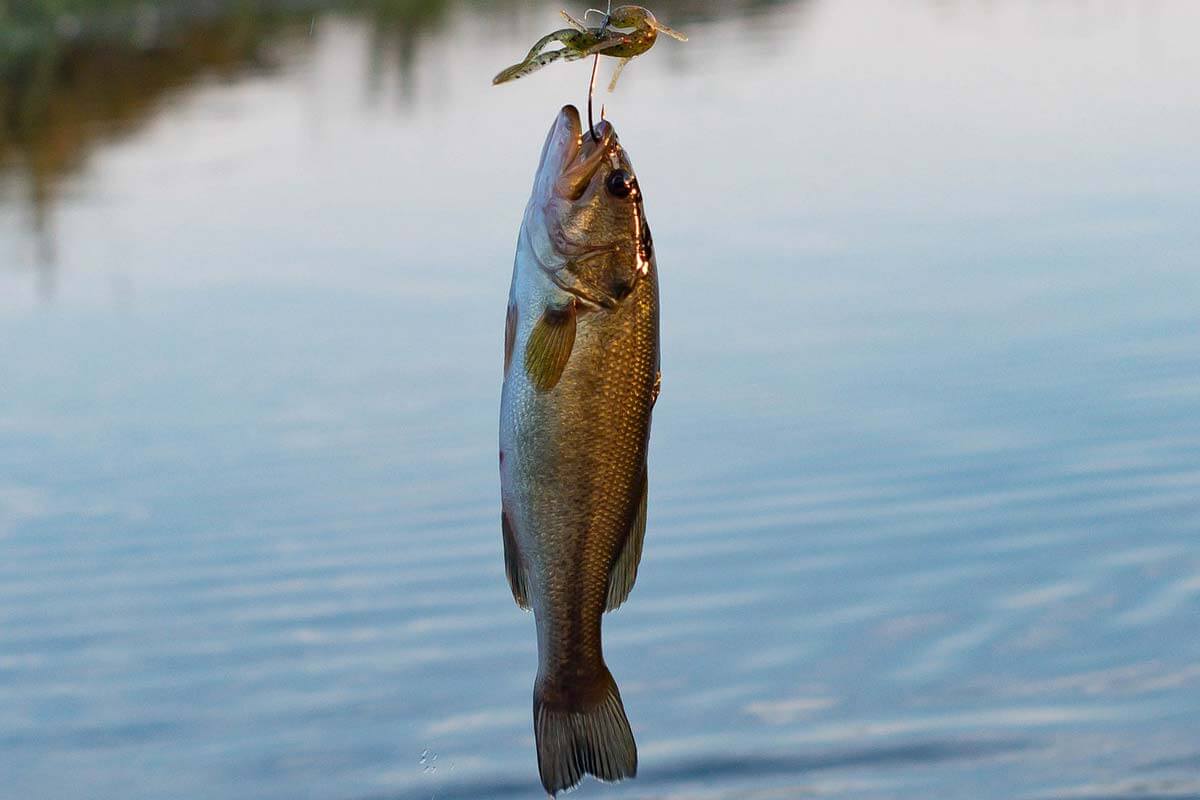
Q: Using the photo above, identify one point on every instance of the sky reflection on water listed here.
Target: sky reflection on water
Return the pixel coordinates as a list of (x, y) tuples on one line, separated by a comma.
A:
[(925, 467)]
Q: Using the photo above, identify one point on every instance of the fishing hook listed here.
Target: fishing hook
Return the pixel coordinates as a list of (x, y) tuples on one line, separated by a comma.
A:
[(596, 66), (592, 91)]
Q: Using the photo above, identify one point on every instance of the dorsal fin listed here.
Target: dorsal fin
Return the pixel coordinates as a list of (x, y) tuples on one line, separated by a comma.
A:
[(624, 571)]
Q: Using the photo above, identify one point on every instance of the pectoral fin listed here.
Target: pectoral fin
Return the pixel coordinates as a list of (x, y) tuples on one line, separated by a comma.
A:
[(512, 564), (549, 347), (624, 572)]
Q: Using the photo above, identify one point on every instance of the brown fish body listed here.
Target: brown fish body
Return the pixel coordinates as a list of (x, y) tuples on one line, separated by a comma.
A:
[(581, 378)]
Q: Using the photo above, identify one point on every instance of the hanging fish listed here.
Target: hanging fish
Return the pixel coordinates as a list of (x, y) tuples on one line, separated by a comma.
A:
[(627, 32), (581, 376)]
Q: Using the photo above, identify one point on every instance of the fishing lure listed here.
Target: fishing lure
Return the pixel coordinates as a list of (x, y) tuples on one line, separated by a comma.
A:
[(625, 33)]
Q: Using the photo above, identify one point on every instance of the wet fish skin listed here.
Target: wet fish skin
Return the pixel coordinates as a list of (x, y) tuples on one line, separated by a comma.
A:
[(581, 379)]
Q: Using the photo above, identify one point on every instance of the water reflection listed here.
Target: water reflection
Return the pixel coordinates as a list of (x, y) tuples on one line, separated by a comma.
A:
[(72, 82), (926, 456), (72, 89), (798, 774)]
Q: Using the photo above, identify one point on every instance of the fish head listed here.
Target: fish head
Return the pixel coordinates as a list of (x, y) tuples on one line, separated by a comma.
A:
[(587, 205)]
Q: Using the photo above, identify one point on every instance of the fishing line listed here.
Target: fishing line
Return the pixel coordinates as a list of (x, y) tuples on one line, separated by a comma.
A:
[(592, 91), (596, 66)]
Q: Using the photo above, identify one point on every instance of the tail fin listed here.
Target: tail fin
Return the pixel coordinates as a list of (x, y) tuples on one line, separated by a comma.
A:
[(573, 742)]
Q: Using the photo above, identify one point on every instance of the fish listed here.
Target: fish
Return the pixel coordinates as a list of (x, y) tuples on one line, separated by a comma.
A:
[(581, 378)]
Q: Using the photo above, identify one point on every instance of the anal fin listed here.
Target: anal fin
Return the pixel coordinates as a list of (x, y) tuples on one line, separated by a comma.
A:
[(624, 571), (512, 564)]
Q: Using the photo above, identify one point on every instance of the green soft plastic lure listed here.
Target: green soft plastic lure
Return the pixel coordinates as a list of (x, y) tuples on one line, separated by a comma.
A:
[(627, 32)]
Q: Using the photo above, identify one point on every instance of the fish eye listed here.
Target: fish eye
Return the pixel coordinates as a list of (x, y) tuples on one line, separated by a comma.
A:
[(619, 183)]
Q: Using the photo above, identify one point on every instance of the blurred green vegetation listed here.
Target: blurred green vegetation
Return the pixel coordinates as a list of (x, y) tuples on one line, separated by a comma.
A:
[(76, 72)]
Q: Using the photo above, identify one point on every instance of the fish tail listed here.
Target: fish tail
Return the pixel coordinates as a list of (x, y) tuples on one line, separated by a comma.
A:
[(577, 738)]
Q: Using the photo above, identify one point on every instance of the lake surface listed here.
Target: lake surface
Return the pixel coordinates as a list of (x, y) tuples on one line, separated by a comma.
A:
[(925, 472)]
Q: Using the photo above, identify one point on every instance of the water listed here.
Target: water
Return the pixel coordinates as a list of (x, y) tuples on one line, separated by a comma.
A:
[(925, 471)]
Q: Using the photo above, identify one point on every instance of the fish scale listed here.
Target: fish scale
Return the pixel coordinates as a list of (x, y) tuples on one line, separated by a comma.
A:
[(580, 384)]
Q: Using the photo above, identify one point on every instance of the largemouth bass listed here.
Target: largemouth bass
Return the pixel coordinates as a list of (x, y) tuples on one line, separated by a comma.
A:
[(581, 375)]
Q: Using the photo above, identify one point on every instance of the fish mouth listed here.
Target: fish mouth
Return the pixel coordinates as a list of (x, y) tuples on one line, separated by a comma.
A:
[(571, 158)]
